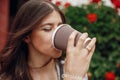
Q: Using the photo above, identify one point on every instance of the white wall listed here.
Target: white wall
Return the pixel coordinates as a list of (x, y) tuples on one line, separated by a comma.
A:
[(80, 2)]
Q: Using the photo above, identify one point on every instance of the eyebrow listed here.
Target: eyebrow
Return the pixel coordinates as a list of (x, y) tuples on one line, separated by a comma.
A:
[(50, 24)]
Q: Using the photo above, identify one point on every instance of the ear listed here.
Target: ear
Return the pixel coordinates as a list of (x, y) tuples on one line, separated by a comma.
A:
[(27, 39)]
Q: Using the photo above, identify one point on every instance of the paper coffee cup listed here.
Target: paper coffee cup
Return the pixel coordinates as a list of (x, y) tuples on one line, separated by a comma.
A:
[(61, 34)]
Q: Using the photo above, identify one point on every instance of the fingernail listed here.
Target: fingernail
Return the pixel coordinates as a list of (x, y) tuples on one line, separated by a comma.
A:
[(84, 35), (94, 38)]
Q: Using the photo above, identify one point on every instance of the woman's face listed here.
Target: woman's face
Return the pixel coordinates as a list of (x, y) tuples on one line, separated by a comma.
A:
[(40, 40)]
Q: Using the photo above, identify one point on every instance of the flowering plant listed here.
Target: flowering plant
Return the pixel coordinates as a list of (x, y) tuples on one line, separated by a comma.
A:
[(61, 4)]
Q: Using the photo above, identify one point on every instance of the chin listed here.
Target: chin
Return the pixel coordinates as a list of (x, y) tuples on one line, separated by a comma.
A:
[(57, 55)]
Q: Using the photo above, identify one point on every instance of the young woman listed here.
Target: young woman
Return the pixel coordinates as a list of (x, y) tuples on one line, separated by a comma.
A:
[(29, 53)]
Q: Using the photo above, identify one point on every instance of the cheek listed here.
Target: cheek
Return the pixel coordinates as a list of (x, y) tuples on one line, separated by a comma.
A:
[(41, 40), (42, 43)]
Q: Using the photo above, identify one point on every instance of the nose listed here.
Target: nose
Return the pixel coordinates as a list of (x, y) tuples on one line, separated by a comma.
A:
[(56, 26)]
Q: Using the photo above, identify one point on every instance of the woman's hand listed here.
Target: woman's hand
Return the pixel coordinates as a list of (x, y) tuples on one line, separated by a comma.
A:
[(78, 57)]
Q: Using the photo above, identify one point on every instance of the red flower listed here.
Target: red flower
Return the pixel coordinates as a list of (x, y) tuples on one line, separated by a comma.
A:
[(50, 0), (58, 3), (116, 3), (109, 76), (92, 17), (66, 5), (96, 1)]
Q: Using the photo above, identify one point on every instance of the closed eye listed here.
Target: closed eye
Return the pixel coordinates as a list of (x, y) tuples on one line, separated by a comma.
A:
[(47, 29)]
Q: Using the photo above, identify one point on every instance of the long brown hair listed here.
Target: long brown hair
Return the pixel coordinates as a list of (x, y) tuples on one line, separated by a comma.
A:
[(13, 57)]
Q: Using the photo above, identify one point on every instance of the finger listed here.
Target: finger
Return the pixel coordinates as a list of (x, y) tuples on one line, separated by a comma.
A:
[(91, 53), (82, 40), (71, 39), (91, 44), (86, 42)]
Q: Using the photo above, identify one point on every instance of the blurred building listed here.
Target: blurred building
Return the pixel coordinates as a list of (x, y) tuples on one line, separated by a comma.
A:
[(8, 9)]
